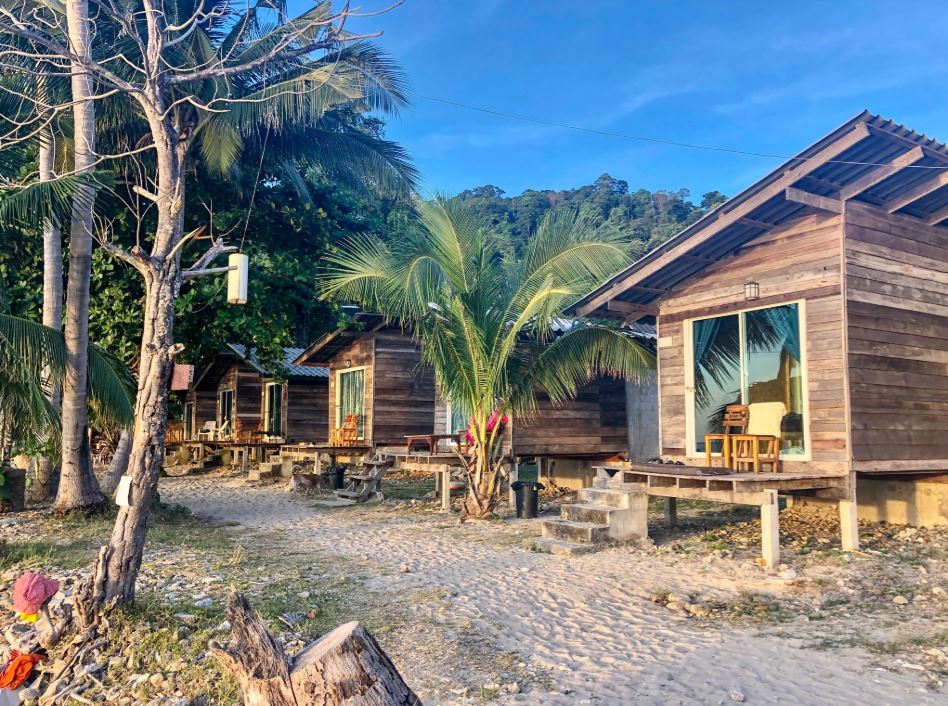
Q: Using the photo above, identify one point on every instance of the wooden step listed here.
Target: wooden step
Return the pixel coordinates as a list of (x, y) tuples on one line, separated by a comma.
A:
[(573, 531)]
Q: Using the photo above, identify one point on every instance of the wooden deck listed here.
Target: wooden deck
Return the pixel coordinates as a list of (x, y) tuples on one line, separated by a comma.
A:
[(718, 484)]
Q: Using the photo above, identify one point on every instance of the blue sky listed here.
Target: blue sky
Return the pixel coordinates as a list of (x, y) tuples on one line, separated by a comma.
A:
[(757, 76)]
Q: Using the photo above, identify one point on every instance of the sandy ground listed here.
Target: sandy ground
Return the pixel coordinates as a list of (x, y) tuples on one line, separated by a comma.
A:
[(585, 627)]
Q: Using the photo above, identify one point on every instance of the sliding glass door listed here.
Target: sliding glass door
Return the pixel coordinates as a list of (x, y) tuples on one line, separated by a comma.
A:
[(751, 357), (350, 397)]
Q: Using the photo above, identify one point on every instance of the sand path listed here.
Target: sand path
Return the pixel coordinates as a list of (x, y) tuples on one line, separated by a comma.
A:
[(585, 623)]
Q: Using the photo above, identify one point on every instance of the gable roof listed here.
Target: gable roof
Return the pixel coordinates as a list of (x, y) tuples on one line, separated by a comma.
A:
[(869, 159), (289, 356), (328, 345)]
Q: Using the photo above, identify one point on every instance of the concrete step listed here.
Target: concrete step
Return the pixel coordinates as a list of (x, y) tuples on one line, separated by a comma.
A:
[(605, 496), (588, 512), (572, 531), (560, 547)]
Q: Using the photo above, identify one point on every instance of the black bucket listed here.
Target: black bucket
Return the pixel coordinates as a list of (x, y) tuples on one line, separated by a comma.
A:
[(527, 498), (336, 477)]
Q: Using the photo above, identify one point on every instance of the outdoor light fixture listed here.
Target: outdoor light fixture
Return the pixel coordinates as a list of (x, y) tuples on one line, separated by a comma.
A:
[(752, 291), (238, 264), (347, 363)]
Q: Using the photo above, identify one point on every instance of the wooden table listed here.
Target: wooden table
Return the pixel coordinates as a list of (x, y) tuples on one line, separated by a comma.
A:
[(432, 440)]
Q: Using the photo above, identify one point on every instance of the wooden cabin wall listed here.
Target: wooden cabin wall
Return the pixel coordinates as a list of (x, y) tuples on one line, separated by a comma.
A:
[(248, 393), (359, 354), (205, 408), (798, 260), (306, 410), (404, 392), (594, 424), (897, 308)]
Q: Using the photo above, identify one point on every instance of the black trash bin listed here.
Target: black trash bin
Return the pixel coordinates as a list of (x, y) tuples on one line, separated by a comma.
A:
[(336, 475), (527, 498)]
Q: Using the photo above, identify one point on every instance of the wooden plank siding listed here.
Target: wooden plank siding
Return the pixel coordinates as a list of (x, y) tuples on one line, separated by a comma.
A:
[(592, 425), (306, 410), (404, 399), (799, 260), (897, 306)]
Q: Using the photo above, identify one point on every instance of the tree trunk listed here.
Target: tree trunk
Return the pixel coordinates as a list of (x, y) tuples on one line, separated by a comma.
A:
[(162, 284), (78, 488), (45, 467), (346, 667), (119, 463)]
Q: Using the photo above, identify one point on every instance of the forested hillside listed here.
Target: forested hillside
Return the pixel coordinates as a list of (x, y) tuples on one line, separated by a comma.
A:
[(647, 217)]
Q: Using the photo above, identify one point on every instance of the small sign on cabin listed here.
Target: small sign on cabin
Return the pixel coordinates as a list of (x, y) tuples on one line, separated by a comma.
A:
[(182, 376)]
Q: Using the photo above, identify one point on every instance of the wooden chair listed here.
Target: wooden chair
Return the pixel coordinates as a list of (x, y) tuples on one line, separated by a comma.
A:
[(761, 443), (736, 417), (348, 433)]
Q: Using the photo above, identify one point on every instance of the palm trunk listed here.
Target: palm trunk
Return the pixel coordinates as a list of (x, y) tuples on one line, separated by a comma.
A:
[(119, 463), (162, 284), (78, 488), (482, 471), (52, 291)]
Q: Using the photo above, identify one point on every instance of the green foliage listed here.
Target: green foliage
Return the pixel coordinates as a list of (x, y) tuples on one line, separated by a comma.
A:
[(645, 218)]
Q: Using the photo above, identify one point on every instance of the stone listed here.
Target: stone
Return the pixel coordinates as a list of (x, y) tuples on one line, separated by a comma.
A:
[(738, 696), (677, 606), (156, 679), (204, 603), (677, 598), (698, 610), (512, 688), (939, 591), (186, 618), (404, 569), (224, 626), (900, 600), (304, 594), (789, 573)]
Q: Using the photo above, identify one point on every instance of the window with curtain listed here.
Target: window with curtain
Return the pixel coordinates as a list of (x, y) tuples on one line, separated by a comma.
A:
[(746, 358), (350, 397), (274, 409)]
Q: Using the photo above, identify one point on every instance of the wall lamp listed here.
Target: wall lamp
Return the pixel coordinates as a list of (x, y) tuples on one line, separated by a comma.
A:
[(752, 291)]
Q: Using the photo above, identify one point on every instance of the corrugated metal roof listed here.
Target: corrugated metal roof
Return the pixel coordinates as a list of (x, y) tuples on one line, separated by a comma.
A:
[(884, 140), (289, 356)]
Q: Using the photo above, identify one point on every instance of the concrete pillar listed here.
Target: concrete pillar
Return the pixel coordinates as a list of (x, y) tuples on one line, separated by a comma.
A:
[(848, 525), (671, 513), (770, 530)]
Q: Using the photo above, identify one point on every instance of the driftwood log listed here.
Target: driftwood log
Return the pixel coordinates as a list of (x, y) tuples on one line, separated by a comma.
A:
[(345, 667)]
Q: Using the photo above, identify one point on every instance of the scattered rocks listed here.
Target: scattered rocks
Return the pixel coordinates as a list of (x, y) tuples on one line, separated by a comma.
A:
[(186, 618), (738, 696), (900, 600), (204, 603)]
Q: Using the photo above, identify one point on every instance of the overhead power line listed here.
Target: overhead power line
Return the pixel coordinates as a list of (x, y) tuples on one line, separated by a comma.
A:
[(655, 140)]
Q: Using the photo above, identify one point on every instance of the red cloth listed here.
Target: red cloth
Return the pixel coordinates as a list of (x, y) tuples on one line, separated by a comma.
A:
[(491, 423), (18, 669), (181, 376), (31, 591)]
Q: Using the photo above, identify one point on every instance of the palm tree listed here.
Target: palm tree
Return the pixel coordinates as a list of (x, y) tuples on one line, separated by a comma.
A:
[(491, 326), (33, 359)]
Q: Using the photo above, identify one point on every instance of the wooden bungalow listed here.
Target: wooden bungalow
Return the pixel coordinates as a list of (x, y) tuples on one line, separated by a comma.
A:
[(236, 390), (822, 289), (375, 374)]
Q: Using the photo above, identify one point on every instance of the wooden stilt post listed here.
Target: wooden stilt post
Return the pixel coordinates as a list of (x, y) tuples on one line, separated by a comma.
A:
[(445, 490), (770, 530), (849, 525), (671, 513)]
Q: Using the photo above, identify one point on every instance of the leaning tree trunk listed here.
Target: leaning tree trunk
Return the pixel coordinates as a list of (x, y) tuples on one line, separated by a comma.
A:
[(345, 667), (52, 289), (78, 488), (119, 463), (162, 274)]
